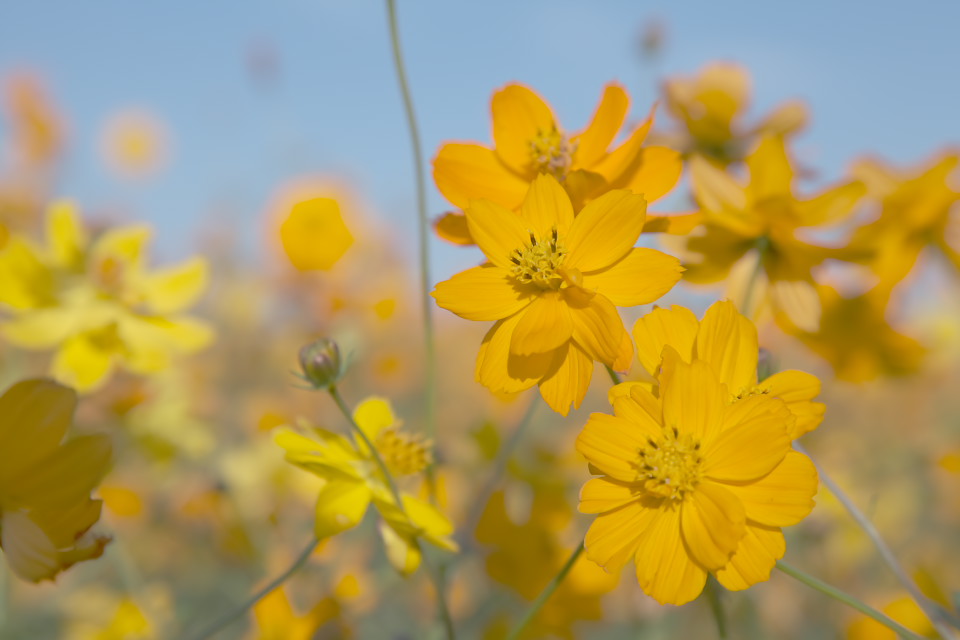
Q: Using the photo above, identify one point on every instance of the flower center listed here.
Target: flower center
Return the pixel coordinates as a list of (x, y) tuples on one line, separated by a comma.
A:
[(551, 152), (670, 466), (403, 453), (539, 261), (747, 392)]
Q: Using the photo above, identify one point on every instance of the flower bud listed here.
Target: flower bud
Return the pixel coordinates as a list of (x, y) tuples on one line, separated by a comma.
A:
[(320, 362)]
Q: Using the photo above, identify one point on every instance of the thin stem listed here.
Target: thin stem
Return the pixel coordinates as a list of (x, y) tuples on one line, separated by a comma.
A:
[(435, 577), (546, 593), (430, 397), (752, 283), (847, 599), (614, 376), (233, 616), (716, 607), (929, 608)]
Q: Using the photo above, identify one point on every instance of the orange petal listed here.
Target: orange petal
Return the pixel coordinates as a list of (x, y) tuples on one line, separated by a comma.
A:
[(452, 227), (675, 224), (640, 277), (546, 207), (497, 231), (665, 569), (607, 120), (605, 230), (798, 389), (519, 116), (770, 172), (754, 559), (691, 397), (501, 372), (465, 172), (728, 342), (753, 442), (482, 293), (614, 536), (784, 496), (712, 520), (676, 326), (656, 174), (568, 380), (597, 327), (544, 325), (611, 444)]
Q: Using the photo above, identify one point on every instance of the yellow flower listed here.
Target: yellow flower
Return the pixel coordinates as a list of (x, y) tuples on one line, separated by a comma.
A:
[(133, 143), (45, 485), (314, 235), (277, 620), (710, 106), (916, 212), (553, 284), (96, 302), (760, 219), (353, 481), (727, 341), (692, 483), (529, 142)]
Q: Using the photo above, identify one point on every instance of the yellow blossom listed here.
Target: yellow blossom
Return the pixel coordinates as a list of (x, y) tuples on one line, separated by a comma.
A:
[(758, 222), (314, 235), (529, 142), (96, 302), (692, 484), (276, 619), (353, 481), (133, 143), (727, 341), (552, 283), (45, 484)]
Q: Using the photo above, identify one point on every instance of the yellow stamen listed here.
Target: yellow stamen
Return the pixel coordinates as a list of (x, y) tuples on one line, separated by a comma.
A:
[(540, 261), (551, 152), (747, 392), (403, 453), (670, 466)]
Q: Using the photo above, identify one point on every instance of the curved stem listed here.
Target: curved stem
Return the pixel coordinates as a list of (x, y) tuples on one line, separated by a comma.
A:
[(847, 599), (430, 399), (716, 607), (435, 577), (614, 376), (926, 605), (235, 615), (546, 593)]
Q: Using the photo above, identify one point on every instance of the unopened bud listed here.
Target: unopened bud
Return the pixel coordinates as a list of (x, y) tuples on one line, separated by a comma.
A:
[(321, 363)]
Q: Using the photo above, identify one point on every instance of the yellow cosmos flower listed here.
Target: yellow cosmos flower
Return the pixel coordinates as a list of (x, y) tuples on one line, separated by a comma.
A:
[(552, 283), (756, 224), (314, 235), (96, 302), (727, 341), (692, 483), (916, 211), (710, 106), (45, 485), (354, 482), (529, 142)]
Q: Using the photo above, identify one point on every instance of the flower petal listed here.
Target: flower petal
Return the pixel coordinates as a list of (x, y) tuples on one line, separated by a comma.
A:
[(373, 415), (723, 200), (692, 401), (500, 371), (28, 550), (770, 170), (82, 364), (712, 520), (752, 443), (676, 326), (403, 553), (497, 231), (798, 389), (465, 172), (640, 277), (63, 478), (607, 120), (568, 379), (174, 288), (519, 116), (611, 444), (452, 227), (728, 342), (341, 505), (614, 537), (597, 326), (36, 415), (605, 230), (605, 494), (487, 292), (546, 207), (546, 324), (620, 164), (784, 496), (665, 569), (754, 559), (656, 174)]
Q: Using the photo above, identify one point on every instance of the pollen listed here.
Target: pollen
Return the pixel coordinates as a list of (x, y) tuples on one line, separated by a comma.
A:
[(747, 392), (403, 453), (540, 261), (552, 152), (670, 466)]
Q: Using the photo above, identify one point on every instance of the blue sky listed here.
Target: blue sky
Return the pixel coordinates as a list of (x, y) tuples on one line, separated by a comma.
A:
[(880, 77)]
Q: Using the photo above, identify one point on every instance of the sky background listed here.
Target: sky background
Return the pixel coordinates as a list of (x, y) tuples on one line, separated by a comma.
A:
[(879, 77)]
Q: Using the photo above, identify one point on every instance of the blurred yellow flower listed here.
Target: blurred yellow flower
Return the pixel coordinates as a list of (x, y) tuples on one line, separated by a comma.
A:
[(692, 483), (762, 218), (528, 142), (710, 106), (37, 131), (552, 283), (45, 485), (727, 341), (276, 619), (314, 235), (353, 481), (96, 302), (134, 143)]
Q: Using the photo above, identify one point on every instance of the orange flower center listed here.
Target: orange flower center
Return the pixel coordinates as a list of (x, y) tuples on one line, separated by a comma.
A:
[(540, 261), (670, 466), (552, 152), (403, 453)]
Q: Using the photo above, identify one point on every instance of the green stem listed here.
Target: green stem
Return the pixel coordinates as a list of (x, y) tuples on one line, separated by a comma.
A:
[(926, 605), (546, 593), (435, 577), (716, 607), (847, 599), (614, 376), (235, 615), (430, 399)]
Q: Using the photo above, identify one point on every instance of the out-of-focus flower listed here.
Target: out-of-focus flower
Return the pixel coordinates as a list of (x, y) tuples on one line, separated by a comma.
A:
[(904, 610), (761, 219), (354, 480), (692, 483), (36, 128), (321, 363), (314, 235), (529, 142), (710, 106), (134, 143), (276, 619), (45, 485), (96, 302), (553, 284), (727, 341), (917, 210), (856, 339)]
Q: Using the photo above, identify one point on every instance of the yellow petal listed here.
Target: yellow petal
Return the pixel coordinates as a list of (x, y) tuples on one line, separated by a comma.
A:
[(314, 235), (28, 550), (487, 292), (175, 288), (465, 172), (753, 442), (82, 363), (568, 379), (691, 397), (611, 444), (724, 202), (657, 173), (124, 245), (677, 224), (634, 402), (712, 520), (784, 496), (727, 341), (770, 170), (799, 300), (709, 255), (341, 505), (402, 551), (605, 230), (676, 326), (546, 207), (614, 536), (545, 325), (452, 227), (519, 116), (34, 417), (152, 342), (754, 559), (607, 120), (605, 494), (619, 165), (373, 415), (65, 477), (665, 570), (428, 521), (797, 389), (597, 327), (25, 281), (497, 231), (66, 235), (500, 371), (624, 359), (830, 206), (642, 276)]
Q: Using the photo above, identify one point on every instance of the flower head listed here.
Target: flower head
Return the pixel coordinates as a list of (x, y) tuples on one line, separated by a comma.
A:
[(552, 284), (691, 483), (45, 484)]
